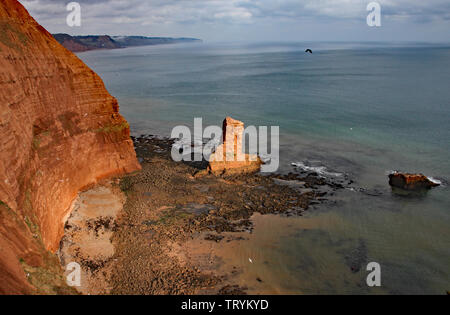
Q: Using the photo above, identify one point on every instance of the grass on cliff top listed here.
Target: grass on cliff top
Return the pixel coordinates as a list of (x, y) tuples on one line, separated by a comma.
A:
[(36, 142), (113, 128), (4, 204), (7, 32)]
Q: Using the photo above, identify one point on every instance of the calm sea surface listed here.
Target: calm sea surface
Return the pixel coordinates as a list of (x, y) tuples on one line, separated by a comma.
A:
[(358, 110)]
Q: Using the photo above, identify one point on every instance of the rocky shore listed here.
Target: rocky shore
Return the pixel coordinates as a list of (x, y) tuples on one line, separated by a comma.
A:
[(169, 204)]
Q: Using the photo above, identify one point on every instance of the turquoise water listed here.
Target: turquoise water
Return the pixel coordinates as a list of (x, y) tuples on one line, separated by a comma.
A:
[(360, 110)]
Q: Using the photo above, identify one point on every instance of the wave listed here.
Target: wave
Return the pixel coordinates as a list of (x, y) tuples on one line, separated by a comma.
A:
[(321, 170), (436, 181)]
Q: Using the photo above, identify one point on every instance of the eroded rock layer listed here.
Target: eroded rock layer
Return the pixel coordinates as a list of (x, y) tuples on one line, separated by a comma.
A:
[(60, 131)]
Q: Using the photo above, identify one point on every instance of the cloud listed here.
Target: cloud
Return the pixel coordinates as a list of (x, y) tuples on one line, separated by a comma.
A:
[(145, 11), (348, 9), (188, 10), (174, 16)]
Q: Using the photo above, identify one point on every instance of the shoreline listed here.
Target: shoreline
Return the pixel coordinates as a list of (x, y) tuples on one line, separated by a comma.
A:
[(168, 217)]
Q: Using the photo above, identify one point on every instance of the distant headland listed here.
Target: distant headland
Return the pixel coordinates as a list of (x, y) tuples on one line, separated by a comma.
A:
[(92, 42)]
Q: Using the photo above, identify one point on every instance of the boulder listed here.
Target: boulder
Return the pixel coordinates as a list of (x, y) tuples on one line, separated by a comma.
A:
[(408, 181)]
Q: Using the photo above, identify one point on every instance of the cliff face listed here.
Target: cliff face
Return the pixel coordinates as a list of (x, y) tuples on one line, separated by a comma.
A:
[(91, 42), (85, 43), (60, 131)]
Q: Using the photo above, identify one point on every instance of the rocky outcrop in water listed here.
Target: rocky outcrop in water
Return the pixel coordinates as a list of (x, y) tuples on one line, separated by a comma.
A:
[(410, 181), (60, 131)]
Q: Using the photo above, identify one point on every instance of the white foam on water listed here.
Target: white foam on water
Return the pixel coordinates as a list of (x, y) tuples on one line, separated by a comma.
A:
[(391, 172), (321, 170), (434, 180)]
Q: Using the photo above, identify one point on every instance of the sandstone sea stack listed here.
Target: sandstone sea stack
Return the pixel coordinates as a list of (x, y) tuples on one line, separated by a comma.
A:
[(60, 131), (229, 157)]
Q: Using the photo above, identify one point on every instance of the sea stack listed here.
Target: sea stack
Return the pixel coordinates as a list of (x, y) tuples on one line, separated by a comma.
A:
[(408, 181), (229, 157), (60, 131)]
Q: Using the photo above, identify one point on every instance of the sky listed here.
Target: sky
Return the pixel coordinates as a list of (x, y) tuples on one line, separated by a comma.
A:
[(252, 20)]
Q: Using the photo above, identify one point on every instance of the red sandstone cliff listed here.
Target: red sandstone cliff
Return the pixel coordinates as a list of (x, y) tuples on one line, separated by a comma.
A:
[(60, 130)]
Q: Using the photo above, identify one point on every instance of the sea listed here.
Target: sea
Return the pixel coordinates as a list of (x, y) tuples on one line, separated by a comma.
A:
[(348, 110)]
